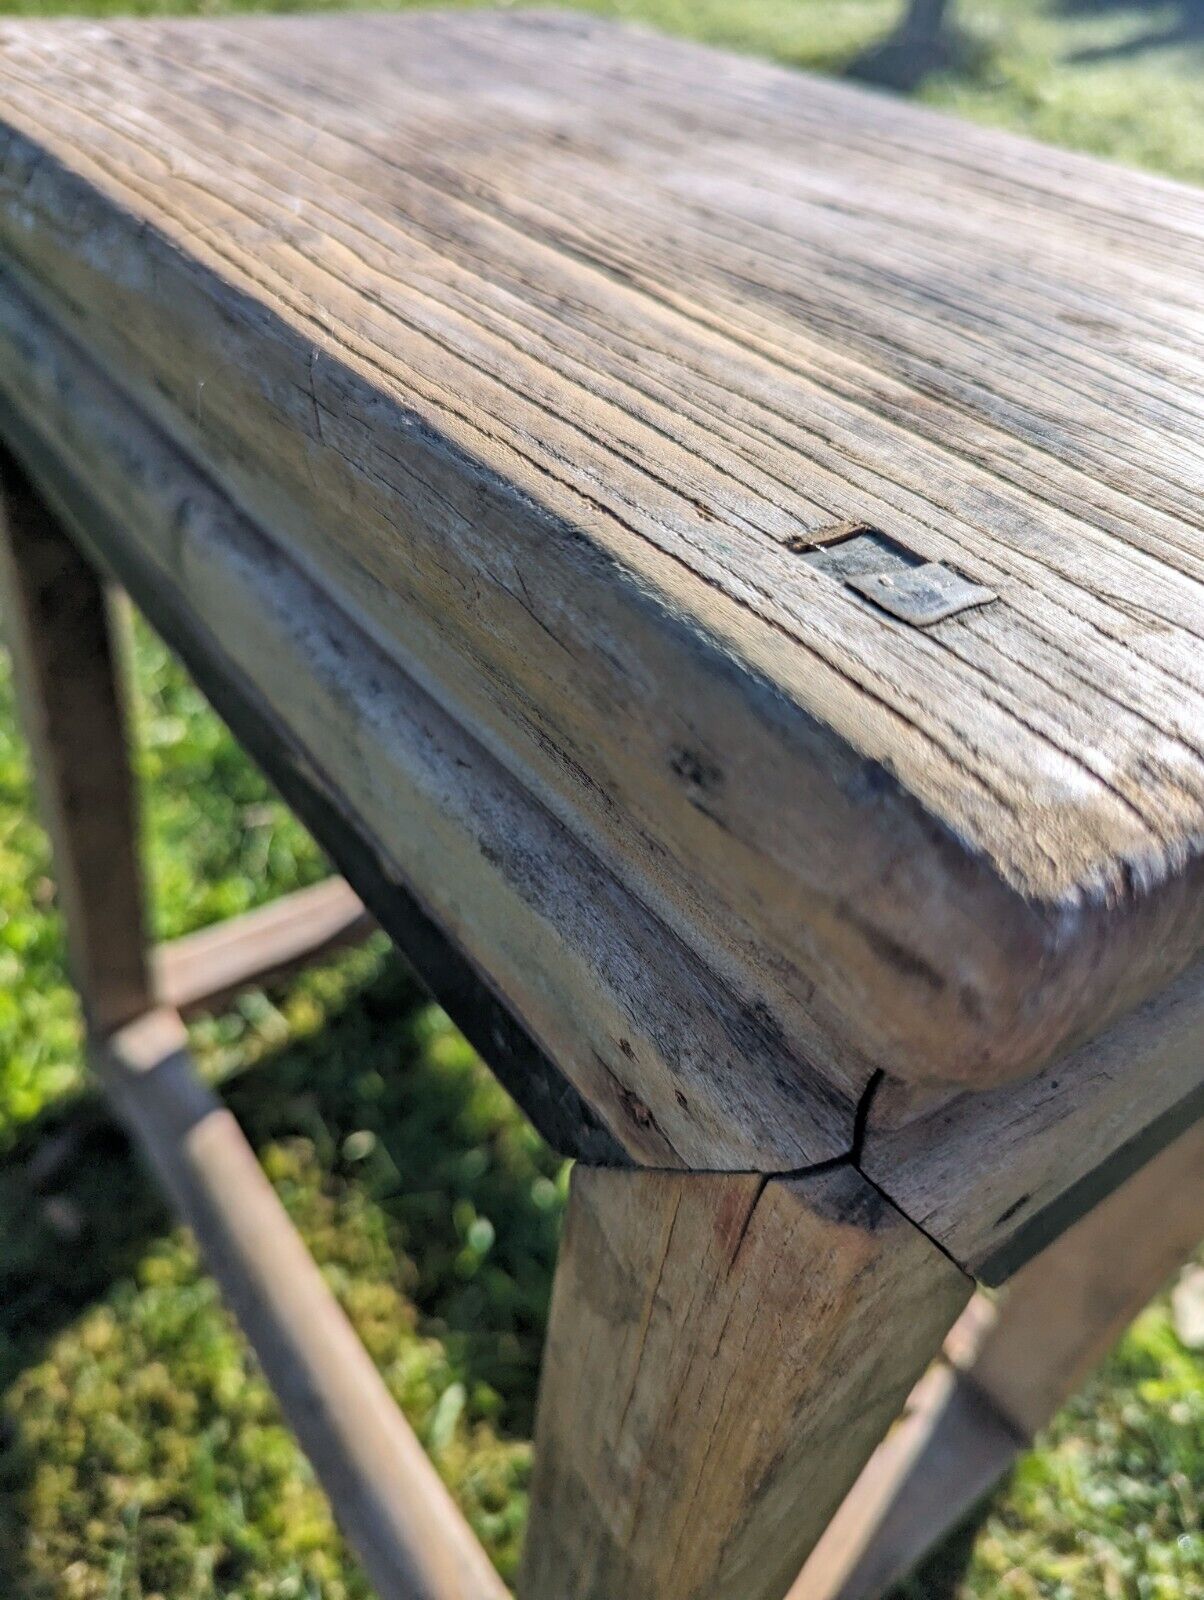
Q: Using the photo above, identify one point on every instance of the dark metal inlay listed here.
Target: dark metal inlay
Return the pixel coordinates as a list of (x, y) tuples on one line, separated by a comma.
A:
[(894, 578), (921, 595)]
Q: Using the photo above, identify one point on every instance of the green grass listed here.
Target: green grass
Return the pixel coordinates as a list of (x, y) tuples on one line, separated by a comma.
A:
[(140, 1452)]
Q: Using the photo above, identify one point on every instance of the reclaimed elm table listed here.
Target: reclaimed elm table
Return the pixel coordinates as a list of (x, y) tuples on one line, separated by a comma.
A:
[(717, 559)]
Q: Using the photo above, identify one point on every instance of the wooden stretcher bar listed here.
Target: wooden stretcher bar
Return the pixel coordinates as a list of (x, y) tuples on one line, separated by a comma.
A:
[(201, 970)]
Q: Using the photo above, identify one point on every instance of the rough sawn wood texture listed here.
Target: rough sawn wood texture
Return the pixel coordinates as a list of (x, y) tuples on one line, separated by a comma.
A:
[(723, 1354), (551, 347)]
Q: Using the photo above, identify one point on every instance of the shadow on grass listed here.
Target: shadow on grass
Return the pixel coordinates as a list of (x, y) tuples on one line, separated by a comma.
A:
[(400, 1117), (926, 40), (1178, 24), (396, 1110), (939, 1576)]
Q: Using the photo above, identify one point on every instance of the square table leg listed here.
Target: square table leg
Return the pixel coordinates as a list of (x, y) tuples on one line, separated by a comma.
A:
[(390, 1502), (1010, 1368), (724, 1352), (58, 627)]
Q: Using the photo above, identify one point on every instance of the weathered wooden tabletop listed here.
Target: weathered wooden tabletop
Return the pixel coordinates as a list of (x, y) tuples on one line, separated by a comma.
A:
[(601, 397)]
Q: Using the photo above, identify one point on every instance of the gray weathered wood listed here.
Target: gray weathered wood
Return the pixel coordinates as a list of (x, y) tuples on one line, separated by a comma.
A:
[(724, 1353), (1061, 1315), (489, 409), (550, 343), (671, 1055), (1009, 1366), (564, 1118), (57, 626), (948, 1450), (389, 1500), (997, 1176)]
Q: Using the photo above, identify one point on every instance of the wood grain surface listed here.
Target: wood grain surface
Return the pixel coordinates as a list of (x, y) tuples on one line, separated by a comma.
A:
[(944, 1455), (724, 1352), (551, 348), (626, 1040), (1009, 1366), (996, 1176), (58, 627), (1065, 1310)]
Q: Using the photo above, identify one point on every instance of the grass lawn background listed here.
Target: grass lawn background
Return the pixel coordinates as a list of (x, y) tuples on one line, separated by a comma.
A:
[(140, 1452)]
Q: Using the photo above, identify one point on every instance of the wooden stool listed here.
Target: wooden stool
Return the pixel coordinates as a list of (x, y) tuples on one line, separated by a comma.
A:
[(715, 558)]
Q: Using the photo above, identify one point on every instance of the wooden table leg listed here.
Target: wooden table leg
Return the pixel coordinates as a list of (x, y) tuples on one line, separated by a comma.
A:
[(1063, 1312), (1009, 1370), (390, 1503), (388, 1497), (56, 624), (724, 1353)]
